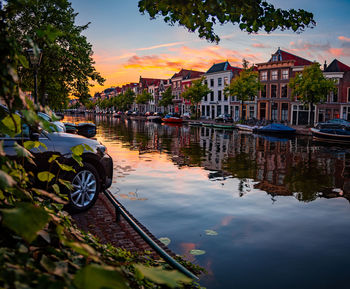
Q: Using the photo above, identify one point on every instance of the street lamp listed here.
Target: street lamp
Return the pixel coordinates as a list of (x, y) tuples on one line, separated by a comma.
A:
[(34, 56)]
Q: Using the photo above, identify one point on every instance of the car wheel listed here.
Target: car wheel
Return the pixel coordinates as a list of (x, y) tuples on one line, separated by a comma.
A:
[(86, 187)]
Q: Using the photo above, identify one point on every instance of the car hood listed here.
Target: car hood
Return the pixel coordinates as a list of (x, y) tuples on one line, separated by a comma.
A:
[(63, 142)]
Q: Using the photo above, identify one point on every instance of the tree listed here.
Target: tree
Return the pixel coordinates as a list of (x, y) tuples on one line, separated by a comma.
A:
[(244, 86), (167, 98), (144, 97), (311, 87), (250, 15), (66, 66), (196, 92)]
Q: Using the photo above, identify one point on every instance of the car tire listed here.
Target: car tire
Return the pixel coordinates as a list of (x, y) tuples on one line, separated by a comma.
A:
[(86, 187)]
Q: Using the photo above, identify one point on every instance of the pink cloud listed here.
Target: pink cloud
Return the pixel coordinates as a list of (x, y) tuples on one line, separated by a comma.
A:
[(260, 45), (343, 38), (337, 52)]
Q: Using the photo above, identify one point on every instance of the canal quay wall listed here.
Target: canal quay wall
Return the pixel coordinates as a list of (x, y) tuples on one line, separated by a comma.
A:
[(100, 221)]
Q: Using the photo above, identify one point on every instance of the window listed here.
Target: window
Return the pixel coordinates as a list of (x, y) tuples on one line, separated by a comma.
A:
[(274, 74), (206, 97), (285, 74), (225, 81), (263, 91), (335, 96), (251, 111), (274, 58), (219, 95), (348, 94), (273, 91), (284, 90), (274, 109), (219, 81), (206, 82), (212, 96), (284, 112), (263, 75), (211, 82), (232, 98), (225, 96)]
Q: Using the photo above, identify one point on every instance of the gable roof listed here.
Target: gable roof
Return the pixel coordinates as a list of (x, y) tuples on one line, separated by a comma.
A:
[(223, 66), (337, 66), (284, 55), (187, 74)]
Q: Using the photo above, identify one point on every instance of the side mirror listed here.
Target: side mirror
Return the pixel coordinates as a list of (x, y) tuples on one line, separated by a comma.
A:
[(34, 136)]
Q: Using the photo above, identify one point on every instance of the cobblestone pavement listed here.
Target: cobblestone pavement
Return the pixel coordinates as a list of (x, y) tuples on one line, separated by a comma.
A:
[(100, 220)]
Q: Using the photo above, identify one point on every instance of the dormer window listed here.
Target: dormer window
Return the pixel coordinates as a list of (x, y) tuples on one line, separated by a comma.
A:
[(274, 58)]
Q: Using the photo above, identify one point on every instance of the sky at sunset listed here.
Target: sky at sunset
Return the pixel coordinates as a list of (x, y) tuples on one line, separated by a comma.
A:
[(128, 45)]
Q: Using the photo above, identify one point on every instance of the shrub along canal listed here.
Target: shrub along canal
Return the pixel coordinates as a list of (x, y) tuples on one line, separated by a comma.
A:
[(264, 212)]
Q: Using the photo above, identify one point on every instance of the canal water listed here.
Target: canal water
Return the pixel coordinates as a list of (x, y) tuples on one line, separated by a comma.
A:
[(266, 212)]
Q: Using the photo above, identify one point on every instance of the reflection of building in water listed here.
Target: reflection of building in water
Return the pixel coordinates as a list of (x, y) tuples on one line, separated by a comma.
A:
[(286, 167), (216, 144)]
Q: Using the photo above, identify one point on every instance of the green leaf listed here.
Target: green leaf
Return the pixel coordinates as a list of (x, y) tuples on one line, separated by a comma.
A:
[(31, 144), (56, 188), (23, 152), (78, 159), (52, 158), (45, 176), (211, 233), (161, 276), (197, 252), (166, 241), (87, 147), (96, 277), (26, 220), (77, 150), (13, 125), (65, 167), (6, 180), (67, 184)]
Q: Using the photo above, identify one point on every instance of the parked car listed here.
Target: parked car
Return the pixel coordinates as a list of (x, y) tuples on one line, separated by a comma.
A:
[(87, 181), (58, 126), (135, 113), (128, 112), (148, 113), (224, 118), (337, 122), (186, 115)]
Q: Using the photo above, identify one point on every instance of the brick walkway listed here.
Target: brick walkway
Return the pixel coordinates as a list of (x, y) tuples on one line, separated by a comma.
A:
[(100, 221)]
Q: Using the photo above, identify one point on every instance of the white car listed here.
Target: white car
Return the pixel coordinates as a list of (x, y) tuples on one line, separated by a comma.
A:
[(59, 125)]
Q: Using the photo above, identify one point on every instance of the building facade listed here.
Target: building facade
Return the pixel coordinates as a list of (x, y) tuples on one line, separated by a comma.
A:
[(216, 102)]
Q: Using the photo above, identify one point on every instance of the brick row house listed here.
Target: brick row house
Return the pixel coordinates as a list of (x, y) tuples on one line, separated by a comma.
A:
[(273, 102), (180, 81)]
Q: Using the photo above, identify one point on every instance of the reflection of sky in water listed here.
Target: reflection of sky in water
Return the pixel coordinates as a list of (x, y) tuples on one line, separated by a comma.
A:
[(263, 240)]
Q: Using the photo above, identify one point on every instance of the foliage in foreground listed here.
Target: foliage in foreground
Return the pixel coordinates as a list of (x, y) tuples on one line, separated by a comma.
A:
[(250, 15), (40, 247)]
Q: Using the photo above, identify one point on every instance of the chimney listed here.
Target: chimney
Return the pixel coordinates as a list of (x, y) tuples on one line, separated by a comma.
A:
[(325, 65)]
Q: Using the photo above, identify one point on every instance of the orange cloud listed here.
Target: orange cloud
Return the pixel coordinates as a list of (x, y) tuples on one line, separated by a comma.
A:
[(343, 38), (129, 65), (337, 51), (260, 45)]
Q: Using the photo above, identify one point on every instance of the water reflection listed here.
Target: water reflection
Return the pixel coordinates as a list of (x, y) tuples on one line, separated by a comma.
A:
[(281, 166), (180, 181)]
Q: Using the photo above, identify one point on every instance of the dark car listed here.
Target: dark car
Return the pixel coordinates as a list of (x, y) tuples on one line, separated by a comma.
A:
[(87, 181), (128, 112)]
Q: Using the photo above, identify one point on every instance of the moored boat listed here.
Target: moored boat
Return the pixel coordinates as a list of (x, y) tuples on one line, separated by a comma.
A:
[(331, 134), (172, 119), (224, 126), (245, 127), (154, 118), (275, 128)]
